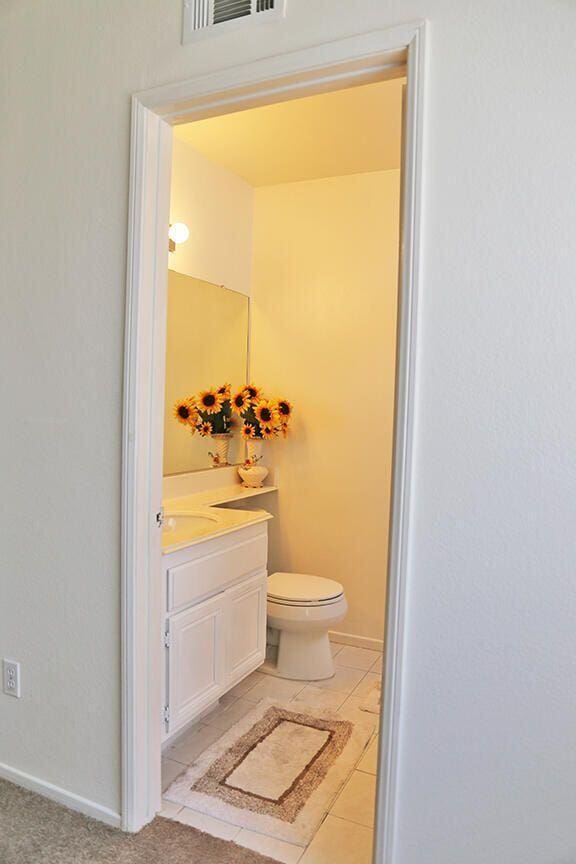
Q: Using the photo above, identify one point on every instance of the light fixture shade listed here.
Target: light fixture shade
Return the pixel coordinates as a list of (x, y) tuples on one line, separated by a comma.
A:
[(179, 232)]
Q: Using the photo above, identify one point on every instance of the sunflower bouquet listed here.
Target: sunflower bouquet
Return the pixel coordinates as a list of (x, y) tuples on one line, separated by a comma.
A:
[(262, 418), (208, 413)]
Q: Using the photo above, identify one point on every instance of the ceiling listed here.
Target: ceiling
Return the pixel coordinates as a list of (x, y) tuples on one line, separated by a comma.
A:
[(343, 132)]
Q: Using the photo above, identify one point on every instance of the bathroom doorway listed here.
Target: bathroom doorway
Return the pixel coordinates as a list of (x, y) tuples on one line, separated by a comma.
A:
[(318, 466)]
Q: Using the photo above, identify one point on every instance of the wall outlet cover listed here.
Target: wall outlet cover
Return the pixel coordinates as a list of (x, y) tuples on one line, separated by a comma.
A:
[(11, 678)]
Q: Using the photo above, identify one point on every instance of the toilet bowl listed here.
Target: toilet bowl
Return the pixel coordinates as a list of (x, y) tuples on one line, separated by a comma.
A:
[(301, 610)]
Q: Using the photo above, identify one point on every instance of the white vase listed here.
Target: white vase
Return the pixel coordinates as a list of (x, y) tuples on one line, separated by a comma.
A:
[(254, 476), (254, 449), (222, 443)]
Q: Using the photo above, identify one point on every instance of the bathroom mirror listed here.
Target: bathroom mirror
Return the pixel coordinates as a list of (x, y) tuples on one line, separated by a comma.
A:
[(206, 346)]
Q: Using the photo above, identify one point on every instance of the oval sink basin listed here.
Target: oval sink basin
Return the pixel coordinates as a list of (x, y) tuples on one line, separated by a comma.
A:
[(178, 527)]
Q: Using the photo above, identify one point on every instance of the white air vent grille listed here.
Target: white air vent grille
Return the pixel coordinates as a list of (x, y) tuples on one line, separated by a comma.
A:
[(202, 17), (227, 10)]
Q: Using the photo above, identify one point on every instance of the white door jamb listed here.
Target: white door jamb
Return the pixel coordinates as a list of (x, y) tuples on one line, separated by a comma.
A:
[(356, 60)]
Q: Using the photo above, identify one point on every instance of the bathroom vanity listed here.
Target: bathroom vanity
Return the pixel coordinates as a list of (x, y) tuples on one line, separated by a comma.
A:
[(214, 571)]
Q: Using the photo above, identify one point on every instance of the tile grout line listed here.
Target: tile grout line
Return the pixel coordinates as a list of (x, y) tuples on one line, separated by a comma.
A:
[(350, 822)]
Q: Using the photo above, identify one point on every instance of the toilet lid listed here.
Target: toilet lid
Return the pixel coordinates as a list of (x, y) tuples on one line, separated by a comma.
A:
[(302, 588)]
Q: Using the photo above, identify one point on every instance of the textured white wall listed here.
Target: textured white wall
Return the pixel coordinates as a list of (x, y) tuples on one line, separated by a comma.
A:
[(488, 755)]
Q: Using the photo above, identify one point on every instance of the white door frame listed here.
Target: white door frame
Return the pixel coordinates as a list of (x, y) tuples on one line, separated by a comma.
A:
[(359, 59)]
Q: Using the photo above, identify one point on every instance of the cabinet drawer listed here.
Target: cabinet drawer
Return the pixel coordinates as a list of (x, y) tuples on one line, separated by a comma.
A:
[(190, 582)]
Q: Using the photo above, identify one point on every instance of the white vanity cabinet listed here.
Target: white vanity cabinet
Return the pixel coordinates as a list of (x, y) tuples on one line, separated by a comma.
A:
[(215, 623)]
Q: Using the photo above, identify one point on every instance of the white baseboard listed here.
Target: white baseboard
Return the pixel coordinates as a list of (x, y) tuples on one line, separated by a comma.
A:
[(61, 796), (356, 641)]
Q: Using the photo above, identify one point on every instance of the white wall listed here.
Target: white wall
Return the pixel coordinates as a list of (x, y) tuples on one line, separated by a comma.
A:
[(217, 206), (324, 336), (488, 751)]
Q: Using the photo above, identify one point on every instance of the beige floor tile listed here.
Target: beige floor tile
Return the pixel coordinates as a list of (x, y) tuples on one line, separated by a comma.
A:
[(170, 770), (369, 761), (208, 715), (276, 688), (357, 658), (189, 747), (352, 709), (339, 842), (344, 681), (335, 647), (227, 699), (368, 683), (169, 809), (318, 697), (182, 738), (357, 800), (244, 687), (287, 853), (232, 714), (215, 827), (377, 667)]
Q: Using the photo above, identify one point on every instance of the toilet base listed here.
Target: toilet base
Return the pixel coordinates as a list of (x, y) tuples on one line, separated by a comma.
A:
[(304, 656)]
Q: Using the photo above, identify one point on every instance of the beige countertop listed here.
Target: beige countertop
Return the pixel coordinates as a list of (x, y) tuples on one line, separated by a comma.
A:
[(191, 519)]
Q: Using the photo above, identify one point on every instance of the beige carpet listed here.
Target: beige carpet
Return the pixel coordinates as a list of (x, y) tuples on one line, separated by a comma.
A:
[(36, 831)]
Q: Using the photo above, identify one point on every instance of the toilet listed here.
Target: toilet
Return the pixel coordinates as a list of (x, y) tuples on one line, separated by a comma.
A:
[(301, 610)]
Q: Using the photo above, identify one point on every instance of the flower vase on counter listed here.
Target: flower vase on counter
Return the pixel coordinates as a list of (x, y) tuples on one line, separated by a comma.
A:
[(215, 413), (263, 420), (252, 474)]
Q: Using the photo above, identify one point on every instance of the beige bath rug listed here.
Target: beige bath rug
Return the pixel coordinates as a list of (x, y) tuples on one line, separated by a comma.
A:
[(372, 702), (277, 771)]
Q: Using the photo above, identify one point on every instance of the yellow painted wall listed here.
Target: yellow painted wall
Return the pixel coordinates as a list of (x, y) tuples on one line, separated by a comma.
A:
[(216, 205), (323, 334)]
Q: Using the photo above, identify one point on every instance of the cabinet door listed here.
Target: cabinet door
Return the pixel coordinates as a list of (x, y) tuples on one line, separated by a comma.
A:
[(246, 643), (196, 660)]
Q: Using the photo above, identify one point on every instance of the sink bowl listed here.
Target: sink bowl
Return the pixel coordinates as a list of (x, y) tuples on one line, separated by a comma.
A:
[(178, 527)]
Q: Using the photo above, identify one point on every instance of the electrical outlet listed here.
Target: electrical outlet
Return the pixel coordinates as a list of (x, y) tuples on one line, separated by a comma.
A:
[(11, 678)]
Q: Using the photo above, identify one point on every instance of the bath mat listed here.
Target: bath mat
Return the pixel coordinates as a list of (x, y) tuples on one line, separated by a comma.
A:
[(372, 702), (277, 771)]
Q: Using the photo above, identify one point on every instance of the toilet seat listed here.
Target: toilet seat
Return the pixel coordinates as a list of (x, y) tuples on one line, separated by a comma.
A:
[(301, 589)]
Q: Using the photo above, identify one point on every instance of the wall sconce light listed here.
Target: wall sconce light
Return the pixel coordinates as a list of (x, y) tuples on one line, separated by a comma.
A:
[(177, 233)]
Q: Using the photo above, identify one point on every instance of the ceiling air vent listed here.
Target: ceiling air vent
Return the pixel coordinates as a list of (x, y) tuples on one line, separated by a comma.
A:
[(208, 17), (228, 10)]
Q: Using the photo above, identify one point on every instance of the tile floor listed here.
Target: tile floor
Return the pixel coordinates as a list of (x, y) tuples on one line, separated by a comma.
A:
[(345, 836)]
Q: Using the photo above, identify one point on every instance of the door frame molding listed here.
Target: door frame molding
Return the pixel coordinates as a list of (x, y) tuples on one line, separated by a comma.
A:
[(334, 65)]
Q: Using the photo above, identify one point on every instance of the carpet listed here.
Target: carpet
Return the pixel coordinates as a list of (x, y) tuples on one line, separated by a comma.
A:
[(34, 830), (277, 771)]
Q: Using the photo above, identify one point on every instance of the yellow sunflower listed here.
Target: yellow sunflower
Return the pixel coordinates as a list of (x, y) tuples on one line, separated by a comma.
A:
[(284, 408), (210, 401), (266, 413), (248, 431), (185, 412), (224, 392), (267, 432), (254, 393), (240, 401), (205, 428)]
